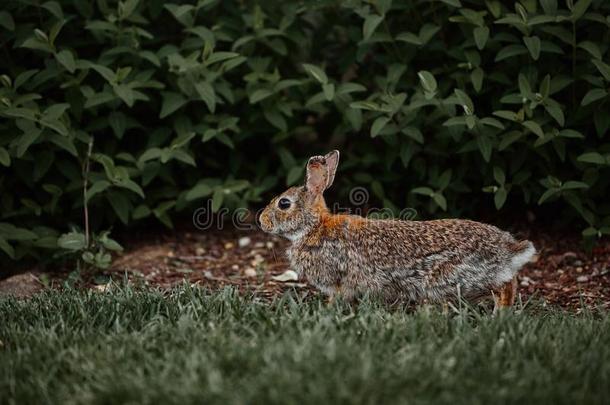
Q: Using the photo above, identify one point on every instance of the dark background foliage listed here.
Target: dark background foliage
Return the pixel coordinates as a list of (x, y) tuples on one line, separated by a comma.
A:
[(452, 107)]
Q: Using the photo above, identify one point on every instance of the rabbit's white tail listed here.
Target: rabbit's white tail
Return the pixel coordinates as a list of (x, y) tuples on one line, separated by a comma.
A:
[(523, 253), (524, 256)]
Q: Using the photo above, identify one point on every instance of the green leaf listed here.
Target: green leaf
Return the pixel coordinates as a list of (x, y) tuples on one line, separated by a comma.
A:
[(201, 189), (365, 105), (444, 179), (378, 125), (470, 121), (500, 197), (555, 111), (66, 59), (491, 122), (593, 95), (118, 123), (454, 121), (183, 13), (465, 101), (427, 81), (130, 185), (11, 232), (126, 8), (592, 48), (485, 147), (276, 119), (476, 76), (5, 158), (371, 22), (510, 51), (410, 38), (534, 127), (219, 57), (574, 185), (6, 21), (440, 200), (533, 45), (603, 68), (217, 199), (545, 86), (294, 174), (329, 91), (316, 72), (346, 88), (97, 188), (120, 204), (454, 3), (26, 139), (592, 157), (579, 9), (413, 133), (481, 34), (125, 93), (171, 103), (74, 241), (6, 248), (427, 191), (499, 176), (508, 115), (259, 95), (547, 194), (549, 6), (570, 133), (207, 94)]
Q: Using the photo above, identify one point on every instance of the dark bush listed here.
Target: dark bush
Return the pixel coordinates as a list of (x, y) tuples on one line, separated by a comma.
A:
[(446, 106)]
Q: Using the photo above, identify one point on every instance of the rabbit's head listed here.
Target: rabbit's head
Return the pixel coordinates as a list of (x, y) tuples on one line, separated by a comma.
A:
[(297, 210)]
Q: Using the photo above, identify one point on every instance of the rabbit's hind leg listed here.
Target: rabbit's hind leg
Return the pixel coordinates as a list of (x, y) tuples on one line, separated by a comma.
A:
[(505, 295)]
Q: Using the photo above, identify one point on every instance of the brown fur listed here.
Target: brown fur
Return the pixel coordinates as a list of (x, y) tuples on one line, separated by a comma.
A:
[(430, 261)]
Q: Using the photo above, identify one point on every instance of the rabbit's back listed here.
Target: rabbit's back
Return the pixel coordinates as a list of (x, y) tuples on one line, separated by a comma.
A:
[(416, 260)]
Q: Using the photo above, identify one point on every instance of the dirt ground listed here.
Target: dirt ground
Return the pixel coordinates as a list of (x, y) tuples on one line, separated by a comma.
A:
[(563, 274)]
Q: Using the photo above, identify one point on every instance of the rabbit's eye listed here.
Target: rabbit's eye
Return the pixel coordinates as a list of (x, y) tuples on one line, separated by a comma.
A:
[(283, 203)]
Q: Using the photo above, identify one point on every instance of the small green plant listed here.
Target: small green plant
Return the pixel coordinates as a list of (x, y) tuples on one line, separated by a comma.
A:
[(93, 251)]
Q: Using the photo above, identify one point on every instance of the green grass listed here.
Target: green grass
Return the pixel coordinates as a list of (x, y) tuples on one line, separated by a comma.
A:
[(193, 346)]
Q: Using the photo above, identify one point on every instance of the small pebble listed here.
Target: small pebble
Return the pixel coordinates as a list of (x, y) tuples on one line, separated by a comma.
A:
[(269, 245), (243, 242), (582, 279), (229, 245), (235, 267), (200, 251), (259, 245), (258, 259), (102, 287), (579, 269), (250, 272), (288, 275)]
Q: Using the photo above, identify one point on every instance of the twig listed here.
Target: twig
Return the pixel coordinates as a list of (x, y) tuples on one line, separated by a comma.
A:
[(86, 165)]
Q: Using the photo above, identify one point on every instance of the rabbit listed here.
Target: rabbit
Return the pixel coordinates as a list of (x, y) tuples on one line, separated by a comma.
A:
[(418, 261)]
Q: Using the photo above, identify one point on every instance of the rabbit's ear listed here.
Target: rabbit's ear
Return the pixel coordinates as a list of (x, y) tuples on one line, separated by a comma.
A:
[(332, 161), (316, 177)]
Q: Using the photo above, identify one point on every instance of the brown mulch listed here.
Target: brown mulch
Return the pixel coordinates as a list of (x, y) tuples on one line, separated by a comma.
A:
[(563, 274), (249, 261)]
